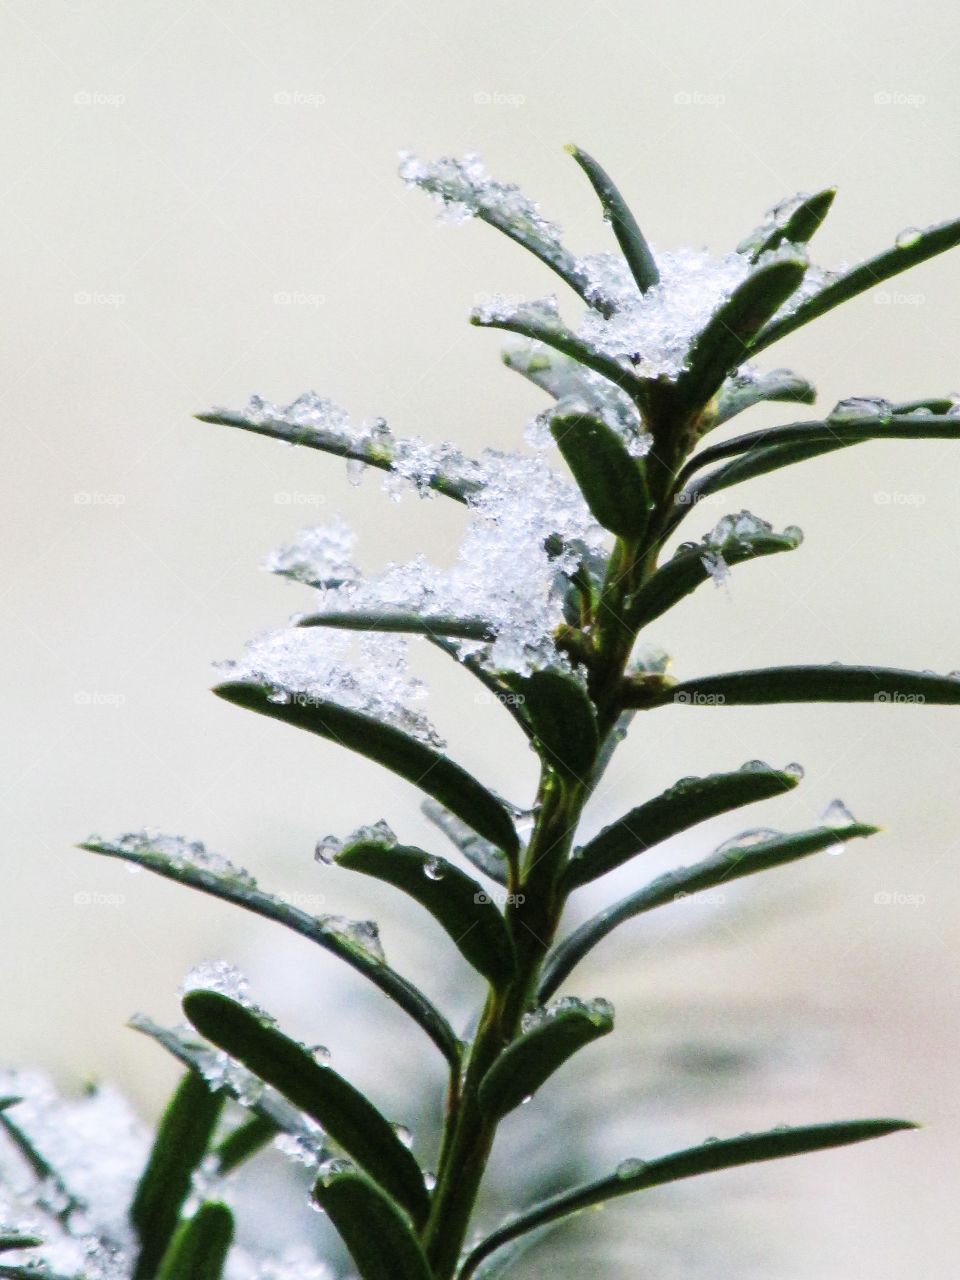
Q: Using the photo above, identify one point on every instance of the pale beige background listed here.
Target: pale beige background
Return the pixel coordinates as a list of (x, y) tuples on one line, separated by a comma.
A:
[(168, 171)]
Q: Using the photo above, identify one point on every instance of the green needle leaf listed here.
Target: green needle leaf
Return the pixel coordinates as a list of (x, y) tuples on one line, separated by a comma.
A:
[(458, 903), (200, 1247), (246, 1140), (181, 1143), (728, 864), (685, 571), (726, 341), (639, 1175), (486, 857), (908, 252), (397, 751), (676, 810), (341, 1110), (449, 482), (612, 482), (9, 1241), (835, 683), (375, 1233), (395, 620), (529, 324), (563, 719), (634, 247), (799, 226), (780, 385), (832, 432), (532, 1059), (324, 931)]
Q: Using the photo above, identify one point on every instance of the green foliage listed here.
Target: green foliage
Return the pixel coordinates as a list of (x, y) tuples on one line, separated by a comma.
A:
[(574, 708)]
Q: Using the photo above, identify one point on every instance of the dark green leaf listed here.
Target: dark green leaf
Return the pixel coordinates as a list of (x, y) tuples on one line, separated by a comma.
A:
[(246, 1140), (685, 571), (758, 462), (832, 683), (376, 1234), (728, 864), (612, 482), (326, 931), (725, 342), (200, 1247), (450, 481), (181, 1143), (634, 247), (341, 1110), (396, 620), (666, 815), (781, 385), (530, 324), (531, 1060), (9, 1241), (266, 1106), (835, 432), (799, 226), (859, 279), (638, 1175), (563, 719), (457, 902), (486, 857), (420, 764)]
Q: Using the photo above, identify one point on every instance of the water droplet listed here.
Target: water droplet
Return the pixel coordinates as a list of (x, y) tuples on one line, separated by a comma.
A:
[(755, 766), (320, 1054), (404, 1135), (429, 1180), (837, 814), (433, 869), (528, 1098), (355, 470), (794, 770), (331, 1169), (326, 850), (630, 1167), (279, 696), (908, 237), (794, 533)]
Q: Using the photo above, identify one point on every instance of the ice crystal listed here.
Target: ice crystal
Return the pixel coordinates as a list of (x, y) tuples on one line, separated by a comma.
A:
[(466, 190), (180, 853), (309, 666), (515, 553), (597, 1010), (97, 1149), (653, 332), (320, 555), (219, 976)]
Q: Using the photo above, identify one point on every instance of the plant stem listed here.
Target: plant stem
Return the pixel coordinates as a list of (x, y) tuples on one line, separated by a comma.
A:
[(533, 917)]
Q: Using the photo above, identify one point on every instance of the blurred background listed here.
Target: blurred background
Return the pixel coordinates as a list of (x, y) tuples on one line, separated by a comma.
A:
[(198, 201)]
